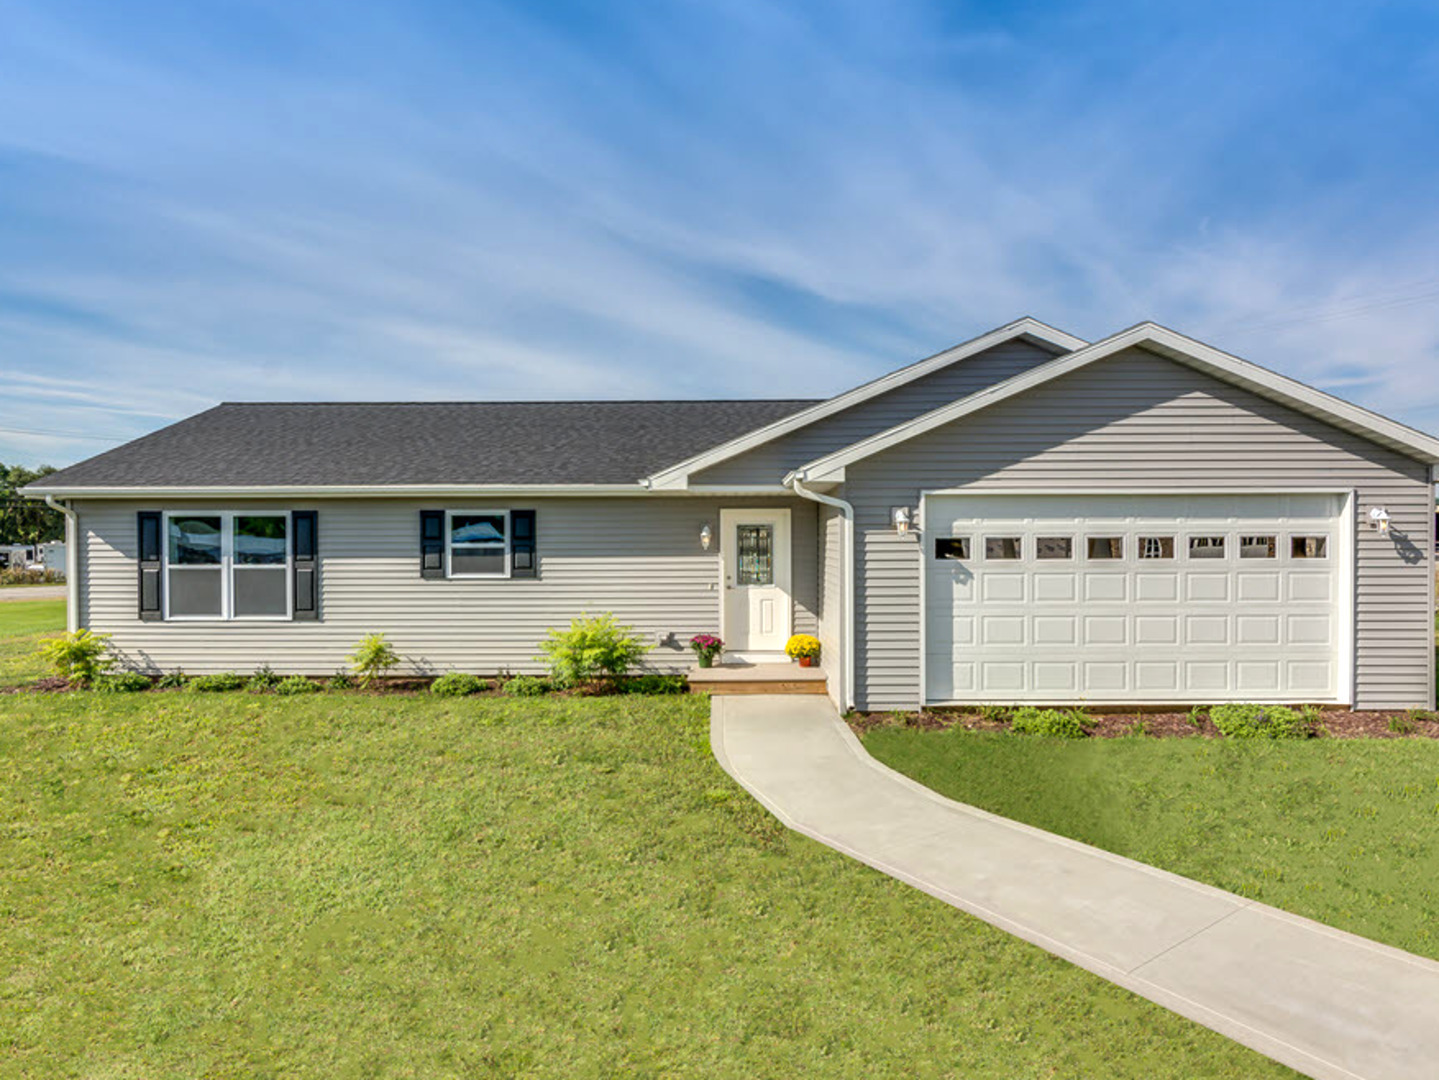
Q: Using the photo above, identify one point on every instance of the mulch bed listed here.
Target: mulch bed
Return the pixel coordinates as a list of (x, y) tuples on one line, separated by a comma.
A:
[(1335, 724)]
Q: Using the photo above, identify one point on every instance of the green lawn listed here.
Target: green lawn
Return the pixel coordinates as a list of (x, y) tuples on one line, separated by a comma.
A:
[(23, 625), (345, 885), (1343, 831)]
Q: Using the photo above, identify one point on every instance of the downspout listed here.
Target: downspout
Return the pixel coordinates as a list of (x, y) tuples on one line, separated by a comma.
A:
[(847, 569), (72, 562)]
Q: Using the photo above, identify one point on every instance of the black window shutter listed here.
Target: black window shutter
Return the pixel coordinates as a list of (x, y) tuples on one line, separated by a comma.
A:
[(307, 563), (524, 552), (152, 571), (432, 543)]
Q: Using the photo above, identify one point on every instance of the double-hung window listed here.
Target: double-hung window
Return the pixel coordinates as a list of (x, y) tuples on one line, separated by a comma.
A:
[(478, 543), (227, 565)]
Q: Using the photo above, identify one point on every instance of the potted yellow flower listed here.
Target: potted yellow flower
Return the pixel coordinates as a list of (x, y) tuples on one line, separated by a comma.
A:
[(804, 648)]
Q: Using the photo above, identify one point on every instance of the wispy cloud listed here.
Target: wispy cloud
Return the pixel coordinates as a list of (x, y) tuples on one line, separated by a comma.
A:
[(758, 199)]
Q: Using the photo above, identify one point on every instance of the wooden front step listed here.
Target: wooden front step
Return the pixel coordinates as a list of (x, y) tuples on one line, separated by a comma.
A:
[(757, 679)]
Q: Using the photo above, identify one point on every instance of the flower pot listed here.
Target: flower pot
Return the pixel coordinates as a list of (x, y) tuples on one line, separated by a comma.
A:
[(706, 661), (806, 661)]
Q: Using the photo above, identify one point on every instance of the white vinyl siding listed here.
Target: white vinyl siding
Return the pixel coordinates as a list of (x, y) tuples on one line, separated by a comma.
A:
[(832, 598), (768, 463), (638, 557), (1138, 421)]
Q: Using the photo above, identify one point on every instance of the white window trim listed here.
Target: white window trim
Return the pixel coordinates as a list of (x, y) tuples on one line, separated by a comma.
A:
[(227, 565), (449, 544)]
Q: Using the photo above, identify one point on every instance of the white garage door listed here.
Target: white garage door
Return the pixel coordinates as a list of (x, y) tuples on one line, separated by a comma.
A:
[(1134, 598)]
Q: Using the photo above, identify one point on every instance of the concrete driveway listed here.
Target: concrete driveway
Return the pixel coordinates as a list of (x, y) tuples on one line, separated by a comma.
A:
[(1330, 1004)]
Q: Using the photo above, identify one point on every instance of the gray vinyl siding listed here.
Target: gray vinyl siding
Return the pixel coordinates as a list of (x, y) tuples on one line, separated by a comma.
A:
[(1139, 421), (830, 536), (768, 463), (637, 557)]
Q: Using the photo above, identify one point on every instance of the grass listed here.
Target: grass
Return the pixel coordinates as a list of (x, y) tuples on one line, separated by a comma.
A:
[(23, 625), (382, 886), (1342, 831)]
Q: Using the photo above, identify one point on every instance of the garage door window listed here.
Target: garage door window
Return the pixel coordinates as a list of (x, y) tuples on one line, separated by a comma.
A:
[(1106, 547), (1001, 547), (1156, 547), (1054, 547), (1257, 547), (951, 547), (1206, 547), (1309, 547)]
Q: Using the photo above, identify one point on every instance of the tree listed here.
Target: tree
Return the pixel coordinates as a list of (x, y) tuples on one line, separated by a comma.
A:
[(26, 521)]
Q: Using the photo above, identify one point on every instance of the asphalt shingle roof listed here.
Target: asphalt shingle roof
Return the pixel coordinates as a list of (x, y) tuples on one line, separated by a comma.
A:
[(341, 443)]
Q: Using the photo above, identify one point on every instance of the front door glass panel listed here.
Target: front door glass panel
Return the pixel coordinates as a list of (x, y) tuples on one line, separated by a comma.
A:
[(755, 551)]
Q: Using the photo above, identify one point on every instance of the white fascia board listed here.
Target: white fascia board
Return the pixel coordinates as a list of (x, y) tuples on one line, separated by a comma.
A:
[(1173, 346), (677, 475), (397, 491)]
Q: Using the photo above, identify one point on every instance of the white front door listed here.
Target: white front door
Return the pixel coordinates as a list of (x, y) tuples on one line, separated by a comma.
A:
[(755, 609)]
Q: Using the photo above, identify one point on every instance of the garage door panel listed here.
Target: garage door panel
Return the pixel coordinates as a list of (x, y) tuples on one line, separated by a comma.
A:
[(1230, 601)]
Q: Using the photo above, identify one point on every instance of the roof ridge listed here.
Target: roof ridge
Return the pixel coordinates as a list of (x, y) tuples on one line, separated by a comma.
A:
[(541, 401)]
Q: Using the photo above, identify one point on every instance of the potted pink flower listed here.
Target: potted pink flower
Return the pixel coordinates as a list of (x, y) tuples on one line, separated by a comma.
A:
[(706, 647)]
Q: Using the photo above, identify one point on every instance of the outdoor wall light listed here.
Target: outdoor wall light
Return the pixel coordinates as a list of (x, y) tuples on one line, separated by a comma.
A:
[(899, 516), (1380, 517), (706, 536)]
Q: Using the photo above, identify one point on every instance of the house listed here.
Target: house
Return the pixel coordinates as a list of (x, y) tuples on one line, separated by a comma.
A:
[(1025, 517)]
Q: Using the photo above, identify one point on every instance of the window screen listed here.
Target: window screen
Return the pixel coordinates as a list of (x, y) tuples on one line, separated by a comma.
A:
[(754, 563), (478, 544), (195, 578)]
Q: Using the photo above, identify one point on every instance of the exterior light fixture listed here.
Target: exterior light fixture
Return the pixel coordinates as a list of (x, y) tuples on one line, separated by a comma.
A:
[(1380, 517), (706, 536), (899, 517)]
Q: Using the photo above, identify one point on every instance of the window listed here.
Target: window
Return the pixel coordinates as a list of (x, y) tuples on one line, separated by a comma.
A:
[(1258, 547), (951, 547), (1106, 547), (479, 543), (1309, 547), (1054, 547), (1002, 547), (1156, 547), (1206, 547), (754, 564), (227, 565)]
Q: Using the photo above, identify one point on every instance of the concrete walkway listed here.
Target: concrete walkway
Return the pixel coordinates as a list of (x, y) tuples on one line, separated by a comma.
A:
[(1327, 1003), (32, 592)]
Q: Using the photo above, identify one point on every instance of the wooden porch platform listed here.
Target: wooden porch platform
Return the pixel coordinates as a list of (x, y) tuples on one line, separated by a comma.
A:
[(757, 679)]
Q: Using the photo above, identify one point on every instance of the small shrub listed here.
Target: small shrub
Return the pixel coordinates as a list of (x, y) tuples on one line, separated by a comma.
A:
[(656, 684), (340, 680), (123, 682), (593, 647), (1422, 715), (372, 657), (1263, 721), (457, 684), (1052, 723), (526, 686), (217, 684), (1402, 725), (296, 684), (79, 657), (172, 680), (995, 714), (263, 679), (1197, 715)]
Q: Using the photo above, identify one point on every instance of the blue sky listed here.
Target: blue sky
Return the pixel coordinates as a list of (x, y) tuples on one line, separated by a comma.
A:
[(225, 201)]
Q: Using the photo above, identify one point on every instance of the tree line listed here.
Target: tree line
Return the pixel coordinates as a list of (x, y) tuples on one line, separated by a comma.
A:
[(26, 521)]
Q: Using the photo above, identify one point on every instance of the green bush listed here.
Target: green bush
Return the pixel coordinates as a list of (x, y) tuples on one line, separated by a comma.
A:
[(593, 647), (296, 684), (1402, 725), (172, 680), (372, 657), (457, 684), (1263, 721), (215, 684), (79, 657), (123, 682), (996, 714), (340, 680), (263, 679), (1053, 723), (656, 684), (526, 686)]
